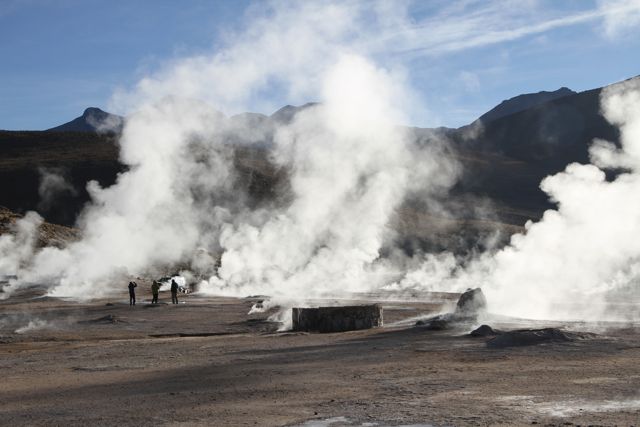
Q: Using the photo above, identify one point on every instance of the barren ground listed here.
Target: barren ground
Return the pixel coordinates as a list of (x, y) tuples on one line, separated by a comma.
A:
[(206, 362)]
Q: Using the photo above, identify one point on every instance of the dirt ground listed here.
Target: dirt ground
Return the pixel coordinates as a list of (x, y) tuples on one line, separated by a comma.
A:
[(206, 362)]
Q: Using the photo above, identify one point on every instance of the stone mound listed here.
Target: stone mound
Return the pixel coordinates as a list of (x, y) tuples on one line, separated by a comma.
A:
[(485, 331), (525, 337), (109, 318), (471, 303), (436, 324)]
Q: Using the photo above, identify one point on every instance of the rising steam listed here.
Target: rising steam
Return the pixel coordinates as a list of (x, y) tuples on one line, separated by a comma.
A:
[(179, 204), (350, 166), (579, 259)]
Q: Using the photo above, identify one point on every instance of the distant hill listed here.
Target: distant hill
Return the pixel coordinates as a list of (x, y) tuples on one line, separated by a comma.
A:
[(503, 157), (48, 234), (288, 112), (522, 148), (25, 156), (523, 102), (92, 120)]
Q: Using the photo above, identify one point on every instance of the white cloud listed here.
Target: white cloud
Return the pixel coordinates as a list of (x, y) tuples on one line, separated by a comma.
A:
[(469, 80), (181, 203), (467, 25), (620, 17)]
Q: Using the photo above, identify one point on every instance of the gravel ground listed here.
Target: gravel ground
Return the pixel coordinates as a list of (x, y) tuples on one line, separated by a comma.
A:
[(206, 362)]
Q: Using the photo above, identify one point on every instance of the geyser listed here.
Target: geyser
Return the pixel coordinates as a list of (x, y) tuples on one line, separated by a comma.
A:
[(350, 167), (179, 202), (578, 259)]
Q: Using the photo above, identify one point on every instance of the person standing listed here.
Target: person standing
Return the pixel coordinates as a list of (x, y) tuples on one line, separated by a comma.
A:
[(155, 289), (132, 293), (174, 292)]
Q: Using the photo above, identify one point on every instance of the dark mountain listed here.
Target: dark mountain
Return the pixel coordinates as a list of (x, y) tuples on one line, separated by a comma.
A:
[(286, 113), (502, 159), (26, 157), (523, 102), (512, 154), (92, 120), (249, 119), (554, 131)]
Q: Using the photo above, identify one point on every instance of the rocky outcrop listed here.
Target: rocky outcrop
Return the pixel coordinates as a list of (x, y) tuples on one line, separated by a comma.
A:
[(92, 120), (485, 331), (48, 234), (470, 305)]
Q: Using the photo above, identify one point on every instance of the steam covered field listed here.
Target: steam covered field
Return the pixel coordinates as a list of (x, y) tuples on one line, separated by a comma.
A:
[(336, 202), (348, 171), (205, 362)]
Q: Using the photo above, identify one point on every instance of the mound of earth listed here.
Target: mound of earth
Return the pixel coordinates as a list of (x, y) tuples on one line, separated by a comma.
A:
[(439, 323), (109, 318), (524, 337), (485, 331), (48, 234), (470, 305)]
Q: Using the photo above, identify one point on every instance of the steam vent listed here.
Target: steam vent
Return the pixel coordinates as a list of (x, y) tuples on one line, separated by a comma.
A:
[(337, 319)]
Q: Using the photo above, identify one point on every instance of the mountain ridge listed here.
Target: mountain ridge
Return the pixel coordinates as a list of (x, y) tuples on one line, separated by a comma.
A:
[(502, 162), (523, 102), (93, 119)]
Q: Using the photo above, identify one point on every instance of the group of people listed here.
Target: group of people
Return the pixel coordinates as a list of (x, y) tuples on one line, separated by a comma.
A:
[(155, 291)]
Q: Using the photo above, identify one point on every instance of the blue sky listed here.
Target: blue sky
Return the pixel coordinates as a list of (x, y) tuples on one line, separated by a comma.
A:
[(461, 57)]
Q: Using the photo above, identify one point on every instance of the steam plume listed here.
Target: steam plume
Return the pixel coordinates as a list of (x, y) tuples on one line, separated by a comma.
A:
[(179, 203), (576, 258)]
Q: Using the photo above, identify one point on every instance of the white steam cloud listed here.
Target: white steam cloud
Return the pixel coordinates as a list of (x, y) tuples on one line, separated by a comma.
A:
[(588, 247), (17, 249), (53, 184), (576, 260), (351, 167), (180, 203)]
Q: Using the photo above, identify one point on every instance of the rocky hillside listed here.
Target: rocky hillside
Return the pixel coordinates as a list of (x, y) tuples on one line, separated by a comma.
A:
[(92, 120), (77, 157), (504, 156), (523, 102), (48, 234)]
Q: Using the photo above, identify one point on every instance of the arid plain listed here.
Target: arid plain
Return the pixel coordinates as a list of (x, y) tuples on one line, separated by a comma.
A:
[(207, 362)]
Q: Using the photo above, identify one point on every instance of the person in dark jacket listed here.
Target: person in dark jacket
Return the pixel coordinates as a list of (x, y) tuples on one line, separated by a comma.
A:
[(132, 293), (155, 289), (174, 292)]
